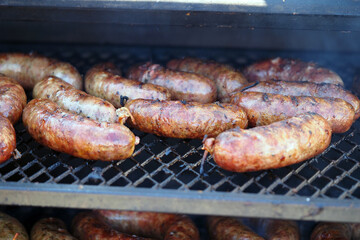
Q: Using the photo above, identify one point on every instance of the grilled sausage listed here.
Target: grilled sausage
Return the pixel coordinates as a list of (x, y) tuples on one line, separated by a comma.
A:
[(279, 229), (28, 69), (72, 99), (355, 230), (324, 90), (67, 132), (273, 146), (224, 228), (12, 99), (264, 108), (11, 228), (50, 228), (290, 70), (182, 85), (7, 139), (330, 231), (150, 224), (102, 81), (184, 120), (87, 226), (227, 79)]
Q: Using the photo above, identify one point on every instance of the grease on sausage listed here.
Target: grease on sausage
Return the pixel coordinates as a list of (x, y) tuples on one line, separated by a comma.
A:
[(330, 231), (7, 139)]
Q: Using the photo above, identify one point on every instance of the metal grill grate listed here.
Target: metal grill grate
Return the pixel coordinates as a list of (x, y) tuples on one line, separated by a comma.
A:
[(165, 163)]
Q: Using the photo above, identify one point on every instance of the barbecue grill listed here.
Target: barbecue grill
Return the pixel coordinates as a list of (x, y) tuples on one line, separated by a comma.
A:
[(163, 173)]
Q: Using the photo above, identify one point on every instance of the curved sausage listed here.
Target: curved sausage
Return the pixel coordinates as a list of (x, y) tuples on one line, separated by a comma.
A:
[(224, 228), (104, 81), (330, 231), (150, 224), (28, 69), (67, 132), (290, 70), (280, 229), (87, 226), (264, 108), (182, 85), (184, 120), (273, 146), (72, 99), (12, 99), (10, 228), (50, 228), (7, 139), (324, 90), (227, 79)]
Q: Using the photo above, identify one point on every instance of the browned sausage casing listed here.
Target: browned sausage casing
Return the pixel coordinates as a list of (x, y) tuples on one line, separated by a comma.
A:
[(227, 79), (12, 99), (290, 70), (67, 132), (280, 229), (264, 108), (324, 90), (7, 139), (72, 99), (182, 85), (104, 81), (87, 226), (10, 226), (273, 146), (226, 228), (330, 231), (28, 69), (184, 120), (50, 228), (150, 224)]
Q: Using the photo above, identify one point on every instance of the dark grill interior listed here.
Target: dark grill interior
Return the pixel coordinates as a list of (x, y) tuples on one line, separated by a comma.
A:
[(164, 163)]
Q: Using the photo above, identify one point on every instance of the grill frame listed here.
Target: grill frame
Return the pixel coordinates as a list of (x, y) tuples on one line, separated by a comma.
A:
[(213, 200)]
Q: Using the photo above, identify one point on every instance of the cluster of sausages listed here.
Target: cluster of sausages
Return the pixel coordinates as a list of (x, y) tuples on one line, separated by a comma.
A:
[(291, 118)]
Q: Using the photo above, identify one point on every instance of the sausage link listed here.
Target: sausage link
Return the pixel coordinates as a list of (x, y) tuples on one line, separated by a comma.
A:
[(355, 230), (150, 224), (324, 90), (182, 85), (10, 228), (330, 231), (264, 108), (12, 99), (290, 70), (7, 139), (87, 226), (276, 229), (72, 99), (67, 132), (273, 146), (227, 79), (50, 228), (184, 120), (28, 69), (104, 81), (224, 228)]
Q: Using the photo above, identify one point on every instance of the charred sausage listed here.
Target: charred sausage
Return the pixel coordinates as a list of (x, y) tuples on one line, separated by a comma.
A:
[(12, 99), (184, 120), (290, 70), (224, 228), (182, 85), (324, 90), (273, 146), (50, 228), (150, 224), (72, 99), (330, 231), (104, 81), (87, 226), (28, 69), (264, 108), (7, 139), (67, 132), (11, 228), (227, 79)]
